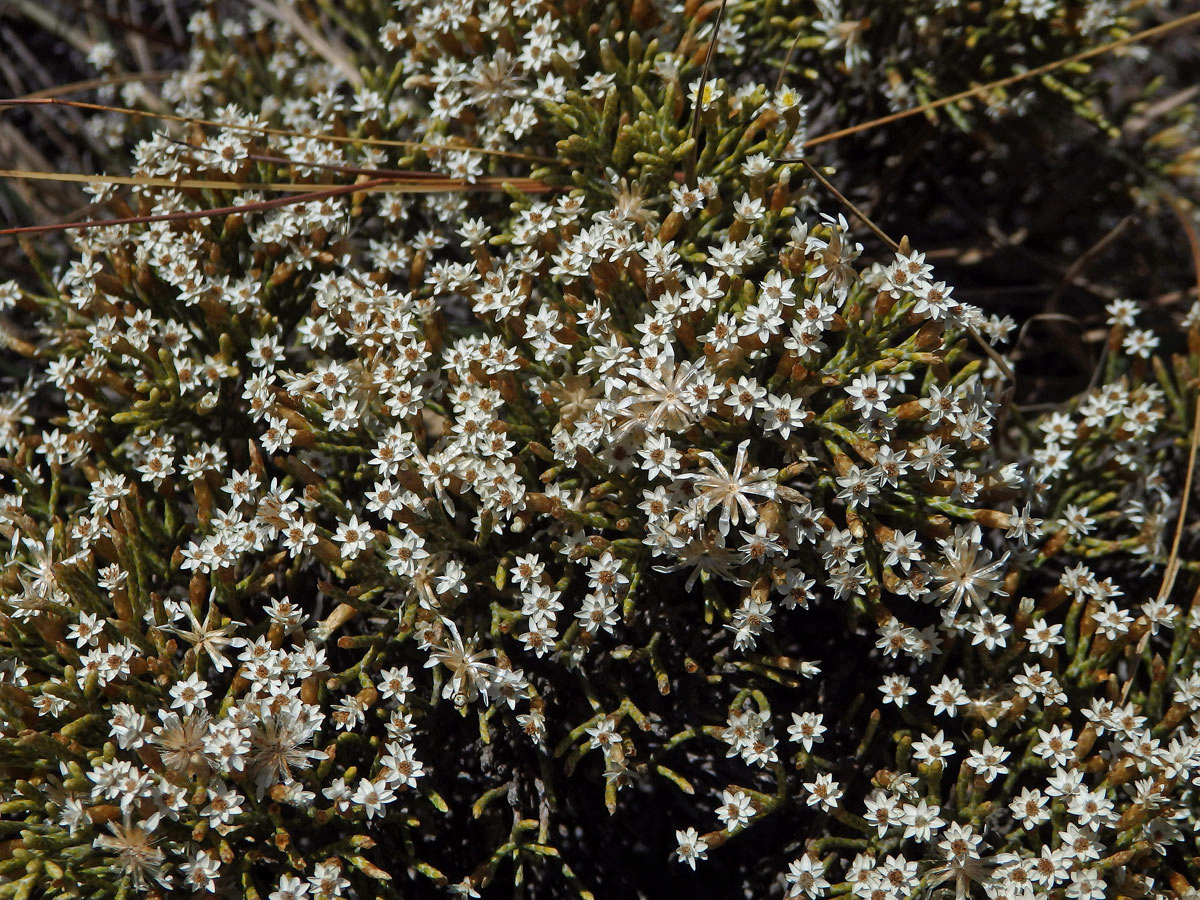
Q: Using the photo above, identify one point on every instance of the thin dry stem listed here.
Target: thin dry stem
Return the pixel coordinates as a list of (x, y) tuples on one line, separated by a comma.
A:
[(1137, 37), (699, 100), (278, 132), (337, 56)]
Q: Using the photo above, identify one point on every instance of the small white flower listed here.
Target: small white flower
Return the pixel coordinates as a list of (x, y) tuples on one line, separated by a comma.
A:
[(988, 761), (395, 683), (807, 730), (373, 797), (921, 820), (201, 870), (782, 413), (932, 749), (947, 696), (189, 694), (824, 792), (806, 877), (735, 809), (353, 536), (691, 846), (1030, 808), (1056, 745), (868, 395), (896, 689)]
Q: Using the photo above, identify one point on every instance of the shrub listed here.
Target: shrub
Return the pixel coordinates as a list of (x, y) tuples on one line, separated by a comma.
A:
[(590, 502)]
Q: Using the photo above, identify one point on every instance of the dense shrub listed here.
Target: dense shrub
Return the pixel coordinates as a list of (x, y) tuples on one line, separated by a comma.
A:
[(595, 508)]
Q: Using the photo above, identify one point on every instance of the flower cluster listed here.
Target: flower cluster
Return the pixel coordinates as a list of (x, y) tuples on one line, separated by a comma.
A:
[(385, 541)]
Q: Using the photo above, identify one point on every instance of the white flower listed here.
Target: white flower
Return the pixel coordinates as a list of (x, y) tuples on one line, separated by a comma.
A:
[(1056, 744), (1086, 884), (405, 552), (717, 486), (782, 413), (327, 881), (533, 723), (902, 548), (747, 209), (966, 570), (868, 396), (373, 797), (824, 792), (857, 487), (189, 694), (1159, 613), (1111, 620), (201, 870), (1140, 342), (224, 805), (932, 749), (290, 888), (539, 639), (947, 696), (395, 683), (1030, 808), (1042, 636), (691, 846), (988, 761), (896, 689), (778, 289), (1092, 808), (735, 809), (470, 675), (807, 730), (921, 820), (806, 877), (659, 458), (744, 396), (353, 536), (881, 811), (401, 765), (989, 629), (711, 95), (87, 631), (598, 613), (960, 842), (240, 486)]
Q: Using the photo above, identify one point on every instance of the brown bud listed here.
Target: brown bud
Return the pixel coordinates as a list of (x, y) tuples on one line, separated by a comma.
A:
[(104, 813), (1087, 738), (992, 518)]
